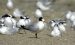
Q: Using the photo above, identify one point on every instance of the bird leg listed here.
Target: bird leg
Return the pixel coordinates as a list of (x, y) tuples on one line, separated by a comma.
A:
[(36, 35)]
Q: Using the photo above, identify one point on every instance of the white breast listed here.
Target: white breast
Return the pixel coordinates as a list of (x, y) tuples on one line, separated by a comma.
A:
[(7, 30), (52, 24), (3, 30), (40, 25), (8, 22), (62, 28), (27, 22), (55, 32)]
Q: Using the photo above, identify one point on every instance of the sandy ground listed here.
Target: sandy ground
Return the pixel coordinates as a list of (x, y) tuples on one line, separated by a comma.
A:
[(58, 10)]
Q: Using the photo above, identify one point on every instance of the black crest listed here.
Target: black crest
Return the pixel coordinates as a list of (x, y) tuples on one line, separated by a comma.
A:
[(21, 17), (40, 19), (5, 15)]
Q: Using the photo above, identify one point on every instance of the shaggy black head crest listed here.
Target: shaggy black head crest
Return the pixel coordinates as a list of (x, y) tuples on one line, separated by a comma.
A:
[(21, 17), (40, 19), (5, 15)]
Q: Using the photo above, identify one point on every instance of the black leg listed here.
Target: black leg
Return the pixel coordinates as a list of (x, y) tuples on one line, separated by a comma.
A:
[(36, 35)]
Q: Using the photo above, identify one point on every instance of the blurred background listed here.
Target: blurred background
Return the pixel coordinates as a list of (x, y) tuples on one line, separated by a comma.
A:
[(58, 9)]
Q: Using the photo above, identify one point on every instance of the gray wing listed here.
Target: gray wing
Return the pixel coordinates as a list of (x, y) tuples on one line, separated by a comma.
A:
[(32, 28)]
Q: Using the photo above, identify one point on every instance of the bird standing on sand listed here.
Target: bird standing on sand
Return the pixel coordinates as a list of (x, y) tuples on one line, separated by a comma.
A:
[(36, 27)]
